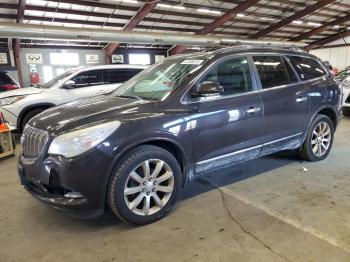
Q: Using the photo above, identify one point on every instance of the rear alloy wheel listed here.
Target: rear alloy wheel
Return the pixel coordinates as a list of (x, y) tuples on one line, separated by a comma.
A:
[(319, 139), (145, 185)]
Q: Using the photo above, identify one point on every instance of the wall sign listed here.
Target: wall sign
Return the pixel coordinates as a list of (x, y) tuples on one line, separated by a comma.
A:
[(34, 58), (92, 59), (3, 58), (117, 59)]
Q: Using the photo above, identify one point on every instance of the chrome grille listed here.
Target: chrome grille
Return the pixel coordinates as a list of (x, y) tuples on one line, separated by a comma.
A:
[(33, 141)]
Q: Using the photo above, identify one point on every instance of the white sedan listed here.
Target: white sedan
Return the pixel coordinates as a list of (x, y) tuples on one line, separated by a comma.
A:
[(346, 96), (19, 106)]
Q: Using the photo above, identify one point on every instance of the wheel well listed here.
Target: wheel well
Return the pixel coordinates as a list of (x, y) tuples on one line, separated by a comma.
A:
[(30, 109), (174, 150), (331, 114)]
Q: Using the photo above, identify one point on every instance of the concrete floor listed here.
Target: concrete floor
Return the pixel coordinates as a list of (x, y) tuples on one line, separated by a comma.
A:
[(263, 210)]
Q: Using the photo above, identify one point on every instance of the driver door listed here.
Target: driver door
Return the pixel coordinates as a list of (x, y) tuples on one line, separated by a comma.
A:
[(227, 129)]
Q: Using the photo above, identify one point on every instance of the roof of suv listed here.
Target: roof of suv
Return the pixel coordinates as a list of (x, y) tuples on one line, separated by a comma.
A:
[(253, 49)]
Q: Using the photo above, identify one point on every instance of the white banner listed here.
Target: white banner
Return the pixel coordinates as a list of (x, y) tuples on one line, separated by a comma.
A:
[(92, 59), (34, 58), (3, 58)]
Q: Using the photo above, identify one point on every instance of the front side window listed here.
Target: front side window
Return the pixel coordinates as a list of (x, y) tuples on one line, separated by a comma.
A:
[(272, 71), (89, 78), (232, 74), (116, 76), (307, 68), (159, 81)]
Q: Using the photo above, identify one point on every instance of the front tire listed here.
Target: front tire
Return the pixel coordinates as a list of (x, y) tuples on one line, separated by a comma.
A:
[(145, 185), (346, 112), (319, 139)]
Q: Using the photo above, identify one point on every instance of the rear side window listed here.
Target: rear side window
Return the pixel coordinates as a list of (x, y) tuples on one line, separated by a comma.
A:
[(307, 68), (89, 78), (114, 76), (273, 71)]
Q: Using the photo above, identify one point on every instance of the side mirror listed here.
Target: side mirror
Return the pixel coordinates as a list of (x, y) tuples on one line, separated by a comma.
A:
[(208, 88), (69, 84)]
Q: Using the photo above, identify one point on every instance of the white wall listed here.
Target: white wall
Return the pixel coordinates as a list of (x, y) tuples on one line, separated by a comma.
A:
[(337, 56)]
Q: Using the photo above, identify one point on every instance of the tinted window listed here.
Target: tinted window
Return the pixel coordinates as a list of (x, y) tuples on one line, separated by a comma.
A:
[(89, 78), (292, 76), (5, 79), (307, 68), (113, 76), (232, 74), (272, 71)]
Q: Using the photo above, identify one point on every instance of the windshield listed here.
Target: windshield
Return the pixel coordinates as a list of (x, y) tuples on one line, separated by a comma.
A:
[(159, 81), (58, 78)]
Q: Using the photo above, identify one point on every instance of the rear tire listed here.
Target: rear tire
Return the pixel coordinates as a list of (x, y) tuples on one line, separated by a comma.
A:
[(145, 185), (319, 139)]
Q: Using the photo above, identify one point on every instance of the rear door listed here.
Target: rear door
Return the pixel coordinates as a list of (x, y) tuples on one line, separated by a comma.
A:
[(286, 103), (227, 129)]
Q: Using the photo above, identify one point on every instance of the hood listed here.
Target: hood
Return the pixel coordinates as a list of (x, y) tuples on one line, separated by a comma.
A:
[(84, 112), (21, 92)]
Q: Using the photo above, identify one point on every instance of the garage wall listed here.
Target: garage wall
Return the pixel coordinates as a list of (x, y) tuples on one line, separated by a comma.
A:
[(338, 56), (46, 60)]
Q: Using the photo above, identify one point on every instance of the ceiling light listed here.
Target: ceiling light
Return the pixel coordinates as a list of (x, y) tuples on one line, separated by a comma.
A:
[(179, 7), (267, 19), (336, 26), (240, 15), (297, 22), (207, 11), (130, 1), (314, 24)]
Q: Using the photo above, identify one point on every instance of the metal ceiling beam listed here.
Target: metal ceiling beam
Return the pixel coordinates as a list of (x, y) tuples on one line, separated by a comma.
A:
[(137, 18), (322, 28), (327, 40), (149, 19), (220, 21), (284, 22)]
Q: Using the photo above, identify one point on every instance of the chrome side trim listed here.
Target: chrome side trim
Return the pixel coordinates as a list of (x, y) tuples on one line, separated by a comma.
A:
[(228, 155), (246, 149)]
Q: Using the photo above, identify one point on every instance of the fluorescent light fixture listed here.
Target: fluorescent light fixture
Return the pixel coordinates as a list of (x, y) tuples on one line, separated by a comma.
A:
[(130, 1), (208, 11), (240, 15), (178, 7), (314, 24), (336, 26), (297, 22), (267, 19)]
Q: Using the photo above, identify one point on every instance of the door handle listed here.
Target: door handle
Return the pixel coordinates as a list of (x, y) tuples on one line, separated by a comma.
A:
[(253, 110), (301, 99)]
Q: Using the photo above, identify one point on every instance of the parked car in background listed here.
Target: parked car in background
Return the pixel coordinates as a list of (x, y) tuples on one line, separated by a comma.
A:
[(135, 149), (346, 95), (19, 106), (343, 74), (7, 83)]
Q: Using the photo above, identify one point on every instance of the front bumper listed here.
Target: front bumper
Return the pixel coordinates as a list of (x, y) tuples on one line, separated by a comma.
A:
[(49, 178)]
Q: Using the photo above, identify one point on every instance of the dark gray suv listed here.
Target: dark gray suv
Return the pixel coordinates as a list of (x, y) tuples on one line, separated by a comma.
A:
[(134, 150)]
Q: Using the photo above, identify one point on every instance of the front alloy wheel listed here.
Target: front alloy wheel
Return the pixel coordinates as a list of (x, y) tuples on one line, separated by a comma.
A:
[(149, 187), (145, 185)]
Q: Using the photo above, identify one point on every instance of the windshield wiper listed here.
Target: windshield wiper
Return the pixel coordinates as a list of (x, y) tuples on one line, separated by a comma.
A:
[(131, 96)]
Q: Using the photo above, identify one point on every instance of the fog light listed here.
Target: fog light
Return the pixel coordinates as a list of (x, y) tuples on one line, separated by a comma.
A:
[(73, 195)]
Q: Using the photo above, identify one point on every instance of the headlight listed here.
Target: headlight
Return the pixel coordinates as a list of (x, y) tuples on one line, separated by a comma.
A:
[(10, 100), (78, 142)]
